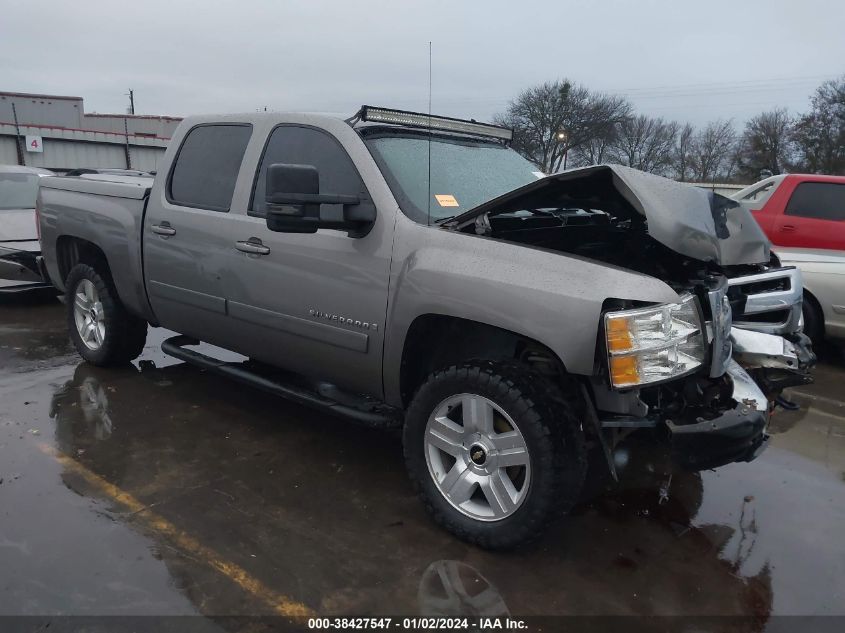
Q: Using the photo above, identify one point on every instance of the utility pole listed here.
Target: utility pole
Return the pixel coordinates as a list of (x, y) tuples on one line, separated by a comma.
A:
[(131, 96), (18, 147), (126, 146)]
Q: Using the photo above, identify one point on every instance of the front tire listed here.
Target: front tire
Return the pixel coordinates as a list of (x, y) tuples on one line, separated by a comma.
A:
[(494, 451), (101, 329)]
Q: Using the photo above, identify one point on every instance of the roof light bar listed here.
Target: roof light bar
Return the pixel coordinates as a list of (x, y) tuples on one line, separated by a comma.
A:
[(422, 120)]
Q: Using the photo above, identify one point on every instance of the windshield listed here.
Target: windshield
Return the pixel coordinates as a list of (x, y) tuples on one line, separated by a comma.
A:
[(464, 173), (18, 191)]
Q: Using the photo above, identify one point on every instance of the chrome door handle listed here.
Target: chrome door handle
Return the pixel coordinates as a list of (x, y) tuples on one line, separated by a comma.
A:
[(163, 229), (252, 247)]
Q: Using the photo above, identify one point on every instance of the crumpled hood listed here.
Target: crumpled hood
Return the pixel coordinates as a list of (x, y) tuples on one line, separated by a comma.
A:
[(688, 219), (17, 225)]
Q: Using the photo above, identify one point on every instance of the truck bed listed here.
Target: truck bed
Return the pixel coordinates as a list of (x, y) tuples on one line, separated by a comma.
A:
[(104, 210)]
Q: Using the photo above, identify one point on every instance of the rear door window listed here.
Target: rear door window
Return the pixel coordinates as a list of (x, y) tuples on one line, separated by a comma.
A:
[(818, 200), (18, 190), (206, 168)]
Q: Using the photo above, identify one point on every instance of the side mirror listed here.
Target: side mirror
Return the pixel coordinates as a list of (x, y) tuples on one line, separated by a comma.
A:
[(294, 199), (286, 190)]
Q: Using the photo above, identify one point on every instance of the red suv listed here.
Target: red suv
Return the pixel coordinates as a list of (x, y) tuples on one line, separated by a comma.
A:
[(799, 210)]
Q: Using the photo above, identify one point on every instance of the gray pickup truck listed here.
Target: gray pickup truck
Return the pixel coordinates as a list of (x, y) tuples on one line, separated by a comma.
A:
[(413, 271)]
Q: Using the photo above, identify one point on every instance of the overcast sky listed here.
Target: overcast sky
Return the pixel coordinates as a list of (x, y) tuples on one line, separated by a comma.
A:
[(691, 61)]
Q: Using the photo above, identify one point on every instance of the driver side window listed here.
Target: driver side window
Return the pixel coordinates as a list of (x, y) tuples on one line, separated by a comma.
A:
[(308, 146)]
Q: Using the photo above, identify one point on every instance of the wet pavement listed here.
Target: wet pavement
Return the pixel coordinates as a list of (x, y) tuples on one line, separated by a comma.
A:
[(159, 489)]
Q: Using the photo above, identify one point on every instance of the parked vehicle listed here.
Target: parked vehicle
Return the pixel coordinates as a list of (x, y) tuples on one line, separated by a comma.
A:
[(19, 247), (514, 327), (804, 217), (799, 210), (823, 272)]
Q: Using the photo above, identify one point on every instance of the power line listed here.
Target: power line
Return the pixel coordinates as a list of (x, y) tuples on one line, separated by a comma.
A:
[(700, 93), (748, 87), (801, 78)]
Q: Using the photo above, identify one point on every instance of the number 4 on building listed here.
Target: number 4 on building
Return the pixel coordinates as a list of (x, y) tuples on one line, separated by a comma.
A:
[(34, 144)]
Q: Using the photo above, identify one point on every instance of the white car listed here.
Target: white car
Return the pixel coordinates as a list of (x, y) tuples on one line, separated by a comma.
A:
[(823, 271)]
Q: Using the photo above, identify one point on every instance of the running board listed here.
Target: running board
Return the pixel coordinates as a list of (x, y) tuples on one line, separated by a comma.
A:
[(368, 412)]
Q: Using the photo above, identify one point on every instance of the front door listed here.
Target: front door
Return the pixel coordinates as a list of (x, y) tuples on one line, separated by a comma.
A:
[(311, 303), (814, 217)]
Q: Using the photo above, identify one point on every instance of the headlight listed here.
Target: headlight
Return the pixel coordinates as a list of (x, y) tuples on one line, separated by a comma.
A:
[(653, 344)]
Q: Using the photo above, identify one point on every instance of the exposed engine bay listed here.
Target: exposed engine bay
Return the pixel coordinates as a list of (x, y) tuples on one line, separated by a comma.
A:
[(597, 217)]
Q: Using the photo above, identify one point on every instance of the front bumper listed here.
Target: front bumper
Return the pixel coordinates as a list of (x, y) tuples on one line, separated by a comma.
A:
[(736, 435), (761, 352)]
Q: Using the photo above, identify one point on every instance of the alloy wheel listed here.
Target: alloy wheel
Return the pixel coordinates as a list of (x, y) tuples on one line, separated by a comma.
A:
[(88, 315), (477, 457)]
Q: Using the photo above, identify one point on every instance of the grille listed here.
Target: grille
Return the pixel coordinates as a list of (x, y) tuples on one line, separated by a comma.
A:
[(772, 300)]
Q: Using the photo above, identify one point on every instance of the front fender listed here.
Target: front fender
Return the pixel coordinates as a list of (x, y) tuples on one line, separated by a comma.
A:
[(552, 298)]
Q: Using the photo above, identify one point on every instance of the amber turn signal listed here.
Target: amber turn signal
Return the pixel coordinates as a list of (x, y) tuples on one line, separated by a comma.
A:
[(618, 335), (624, 370)]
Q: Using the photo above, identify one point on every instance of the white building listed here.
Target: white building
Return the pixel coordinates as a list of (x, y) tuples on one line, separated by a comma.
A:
[(55, 132)]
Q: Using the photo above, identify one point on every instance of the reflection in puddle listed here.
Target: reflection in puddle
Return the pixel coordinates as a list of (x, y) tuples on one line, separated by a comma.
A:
[(82, 399), (451, 588), (95, 407)]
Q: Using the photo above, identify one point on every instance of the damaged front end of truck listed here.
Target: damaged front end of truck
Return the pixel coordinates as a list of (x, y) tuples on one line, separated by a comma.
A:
[(705, 373)]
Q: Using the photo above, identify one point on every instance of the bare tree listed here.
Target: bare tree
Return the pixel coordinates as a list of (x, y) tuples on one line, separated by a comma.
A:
[(683, 152), (596, 150), (820, 134), (645, 143), (552, 119), (765, 144), (713, 153)]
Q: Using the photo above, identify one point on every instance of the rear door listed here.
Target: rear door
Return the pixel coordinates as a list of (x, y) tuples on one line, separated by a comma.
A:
[(311, 303), (186, 245), (814, 217)]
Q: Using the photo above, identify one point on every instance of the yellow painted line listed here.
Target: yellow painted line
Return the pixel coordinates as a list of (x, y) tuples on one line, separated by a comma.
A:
[(280, 604)]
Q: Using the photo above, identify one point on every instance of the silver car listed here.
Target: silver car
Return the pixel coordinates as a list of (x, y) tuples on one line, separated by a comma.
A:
[(19, 245)]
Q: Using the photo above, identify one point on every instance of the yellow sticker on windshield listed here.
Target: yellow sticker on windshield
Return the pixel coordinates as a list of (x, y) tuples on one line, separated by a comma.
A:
[(446, 200)]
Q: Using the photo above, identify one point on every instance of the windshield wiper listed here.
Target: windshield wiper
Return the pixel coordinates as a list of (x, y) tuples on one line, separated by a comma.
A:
[(559, 214)]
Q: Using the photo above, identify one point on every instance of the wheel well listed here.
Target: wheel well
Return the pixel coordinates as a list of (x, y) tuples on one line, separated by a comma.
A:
[(810, 298), (435, 341), (71, 251), (815, 302)]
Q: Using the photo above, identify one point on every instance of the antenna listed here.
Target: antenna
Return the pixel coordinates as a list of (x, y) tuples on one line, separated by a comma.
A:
[(429, 132)]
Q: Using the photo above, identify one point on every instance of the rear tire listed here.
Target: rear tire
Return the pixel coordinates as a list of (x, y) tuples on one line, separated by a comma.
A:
[(462, 473), (101, 329)]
